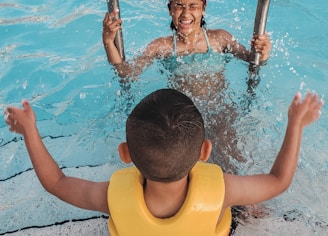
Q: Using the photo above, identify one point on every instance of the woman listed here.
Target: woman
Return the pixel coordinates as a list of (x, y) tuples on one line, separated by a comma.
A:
[(189, 37)]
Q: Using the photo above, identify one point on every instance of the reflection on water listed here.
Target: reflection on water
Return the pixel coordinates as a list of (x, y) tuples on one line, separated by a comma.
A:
[(52, 55)]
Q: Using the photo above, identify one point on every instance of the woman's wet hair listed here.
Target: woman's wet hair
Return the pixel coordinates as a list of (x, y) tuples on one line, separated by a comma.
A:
[(165, 133)]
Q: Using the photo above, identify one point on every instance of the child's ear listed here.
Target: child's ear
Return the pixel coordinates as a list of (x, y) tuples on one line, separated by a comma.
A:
[(124, 153), (205, 150)]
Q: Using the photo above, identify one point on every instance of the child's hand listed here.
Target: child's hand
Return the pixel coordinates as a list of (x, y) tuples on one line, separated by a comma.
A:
[(20, 120), (305, 112)]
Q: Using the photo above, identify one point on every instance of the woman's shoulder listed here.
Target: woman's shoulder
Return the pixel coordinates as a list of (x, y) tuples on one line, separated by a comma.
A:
[(219, 39), (162, 41), (216, 33), (161, 46)]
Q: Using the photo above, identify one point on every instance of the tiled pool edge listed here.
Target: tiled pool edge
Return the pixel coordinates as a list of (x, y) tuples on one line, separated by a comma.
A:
[(98, 227)]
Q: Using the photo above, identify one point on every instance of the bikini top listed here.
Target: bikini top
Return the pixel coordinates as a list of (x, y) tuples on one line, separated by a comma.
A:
[(207, 63)]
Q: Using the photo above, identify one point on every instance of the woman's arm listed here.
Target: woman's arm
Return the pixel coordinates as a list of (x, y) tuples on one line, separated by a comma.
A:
[(228, 44), (110, 28), (134, 69), (124, 68)]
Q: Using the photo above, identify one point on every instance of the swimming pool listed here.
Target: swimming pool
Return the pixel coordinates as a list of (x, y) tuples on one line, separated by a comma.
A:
[(52, 54)]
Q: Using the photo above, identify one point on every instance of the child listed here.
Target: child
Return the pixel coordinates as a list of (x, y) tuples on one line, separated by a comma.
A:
[(171, 190)]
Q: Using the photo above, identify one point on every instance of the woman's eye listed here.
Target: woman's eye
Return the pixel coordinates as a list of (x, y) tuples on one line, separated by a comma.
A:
[(179, 6)]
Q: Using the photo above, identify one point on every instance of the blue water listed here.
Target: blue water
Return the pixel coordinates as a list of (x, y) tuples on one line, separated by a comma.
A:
[(52, 54)]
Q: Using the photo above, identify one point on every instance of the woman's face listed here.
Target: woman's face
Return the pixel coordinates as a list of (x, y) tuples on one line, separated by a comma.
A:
[(186, 15)]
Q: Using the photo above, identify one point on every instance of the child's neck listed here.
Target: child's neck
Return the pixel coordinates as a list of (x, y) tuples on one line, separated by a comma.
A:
[(165, 199)]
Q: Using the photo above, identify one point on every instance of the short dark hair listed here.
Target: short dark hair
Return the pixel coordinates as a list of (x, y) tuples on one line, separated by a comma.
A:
[(165, 133)]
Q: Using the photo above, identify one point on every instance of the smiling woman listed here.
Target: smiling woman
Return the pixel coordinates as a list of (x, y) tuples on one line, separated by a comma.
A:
[(189, 37)]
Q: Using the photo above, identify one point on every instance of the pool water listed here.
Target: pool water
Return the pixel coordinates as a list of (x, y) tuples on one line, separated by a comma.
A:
[(52, 55)]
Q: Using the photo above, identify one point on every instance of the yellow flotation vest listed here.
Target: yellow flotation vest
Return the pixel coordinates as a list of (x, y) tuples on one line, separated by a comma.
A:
[(198, 216)]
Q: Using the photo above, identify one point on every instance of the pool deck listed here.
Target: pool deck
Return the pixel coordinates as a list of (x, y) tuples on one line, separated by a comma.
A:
[(98, 227)]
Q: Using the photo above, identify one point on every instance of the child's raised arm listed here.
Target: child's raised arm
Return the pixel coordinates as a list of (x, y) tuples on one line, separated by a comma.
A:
[(81, 193), (245, 190)]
